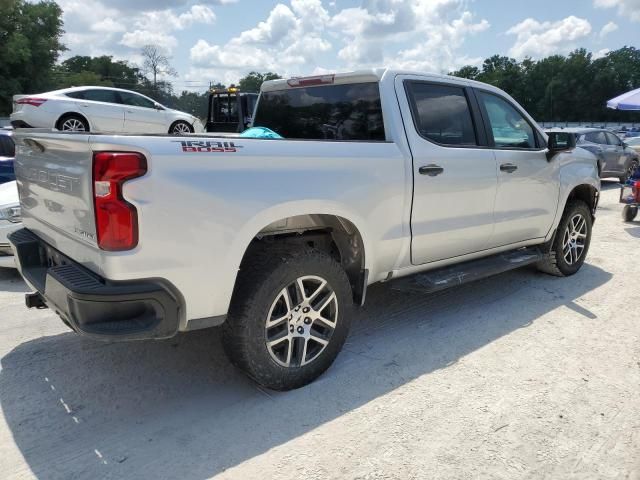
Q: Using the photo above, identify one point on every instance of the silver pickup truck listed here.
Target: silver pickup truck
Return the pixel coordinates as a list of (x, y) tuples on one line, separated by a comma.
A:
[(380, 174)]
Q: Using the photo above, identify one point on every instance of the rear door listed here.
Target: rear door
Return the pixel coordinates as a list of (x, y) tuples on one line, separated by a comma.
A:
[(454, 173), (141, 114), (528, 184), (618, 157), (102, 108), (608, 151)]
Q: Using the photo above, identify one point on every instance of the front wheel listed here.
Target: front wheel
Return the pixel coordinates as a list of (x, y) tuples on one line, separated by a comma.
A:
[(180, 128), (289, 318), (571, 242)]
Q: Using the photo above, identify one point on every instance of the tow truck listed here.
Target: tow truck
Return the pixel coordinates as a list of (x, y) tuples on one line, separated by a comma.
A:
[(230, 110)]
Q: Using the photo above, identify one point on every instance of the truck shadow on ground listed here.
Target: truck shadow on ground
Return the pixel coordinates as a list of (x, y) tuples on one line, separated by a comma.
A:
[(177, 408)]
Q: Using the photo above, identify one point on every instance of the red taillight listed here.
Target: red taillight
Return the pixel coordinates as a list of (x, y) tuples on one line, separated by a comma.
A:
[(116, 219), (33, 101), (311, 81), (636, 191)]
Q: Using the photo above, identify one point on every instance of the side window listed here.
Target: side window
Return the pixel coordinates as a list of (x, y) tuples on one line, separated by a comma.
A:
[(106, 96), (441, 113), (136, 100), (613, 140), (79, 94), (597, 137), (509, 127)]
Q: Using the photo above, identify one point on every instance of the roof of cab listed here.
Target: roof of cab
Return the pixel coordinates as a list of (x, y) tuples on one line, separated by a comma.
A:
[(364, 76)]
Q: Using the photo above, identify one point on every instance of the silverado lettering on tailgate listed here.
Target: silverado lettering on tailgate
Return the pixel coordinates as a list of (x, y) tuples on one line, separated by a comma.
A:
[(205, 146)]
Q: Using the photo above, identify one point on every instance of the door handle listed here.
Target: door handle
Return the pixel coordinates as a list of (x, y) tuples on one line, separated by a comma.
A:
[(508, 167), (431, 170)]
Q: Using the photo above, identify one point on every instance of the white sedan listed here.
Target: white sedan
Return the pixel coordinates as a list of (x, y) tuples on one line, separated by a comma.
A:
[(100, 109), (10, 221)]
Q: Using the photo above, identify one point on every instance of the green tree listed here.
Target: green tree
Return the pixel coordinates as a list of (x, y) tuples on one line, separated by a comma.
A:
[(253, 81), (30, 38)]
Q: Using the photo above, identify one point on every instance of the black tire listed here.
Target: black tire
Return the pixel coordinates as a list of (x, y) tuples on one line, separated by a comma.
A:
[(66, 121), (629, 213), (263, 276), (180, 127), (555, 262), (629, 171)]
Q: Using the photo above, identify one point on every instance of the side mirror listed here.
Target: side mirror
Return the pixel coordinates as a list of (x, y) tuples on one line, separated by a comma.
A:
[(560, 142), (157, 106)]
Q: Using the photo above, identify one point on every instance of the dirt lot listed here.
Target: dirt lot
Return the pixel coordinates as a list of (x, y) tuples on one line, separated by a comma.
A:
[(518, 376)]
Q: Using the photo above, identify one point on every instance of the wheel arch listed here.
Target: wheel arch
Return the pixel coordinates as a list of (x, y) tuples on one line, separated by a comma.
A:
[(72, 113), (330, 232)]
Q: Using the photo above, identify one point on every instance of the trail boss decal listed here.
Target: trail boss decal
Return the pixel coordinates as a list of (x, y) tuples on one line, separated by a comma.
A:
[(199, 146)]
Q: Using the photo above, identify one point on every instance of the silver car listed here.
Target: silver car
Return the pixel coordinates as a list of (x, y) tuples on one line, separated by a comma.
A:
[(615, 157)]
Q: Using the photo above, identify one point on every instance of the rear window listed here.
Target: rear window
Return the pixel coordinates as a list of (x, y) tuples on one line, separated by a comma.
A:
[(328, 112)]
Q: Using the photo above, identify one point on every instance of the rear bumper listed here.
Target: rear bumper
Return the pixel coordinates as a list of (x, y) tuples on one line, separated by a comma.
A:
[(91, 305)]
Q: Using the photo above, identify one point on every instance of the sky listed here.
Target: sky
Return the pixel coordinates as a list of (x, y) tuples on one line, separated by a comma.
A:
[(222, 40)]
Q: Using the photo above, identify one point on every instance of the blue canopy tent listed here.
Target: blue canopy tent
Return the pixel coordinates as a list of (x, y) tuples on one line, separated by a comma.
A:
[(629, 101)]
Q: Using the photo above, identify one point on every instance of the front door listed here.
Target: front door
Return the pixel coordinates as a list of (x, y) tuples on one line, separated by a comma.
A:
[(528, 183), (454, 176), (143, 115)]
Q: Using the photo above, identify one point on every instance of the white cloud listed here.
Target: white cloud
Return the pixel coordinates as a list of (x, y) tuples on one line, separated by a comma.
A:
[(139, 38), (601, 53), (169, 20), (626, 8), (290, 38), (607, 29), (436, 29), (540, 39)]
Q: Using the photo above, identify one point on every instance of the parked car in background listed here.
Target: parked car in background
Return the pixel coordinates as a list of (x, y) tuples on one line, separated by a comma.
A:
[(10, 220), (100, 109), (615, 157), (7, 154), (634, 143)]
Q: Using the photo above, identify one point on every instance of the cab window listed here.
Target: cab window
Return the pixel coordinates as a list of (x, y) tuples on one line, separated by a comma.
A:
[(441, 113), (509, 127)]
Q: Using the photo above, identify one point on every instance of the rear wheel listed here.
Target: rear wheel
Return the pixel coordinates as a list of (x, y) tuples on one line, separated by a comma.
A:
[(290, 316), (571, 243), (180, 128), (73, 123)]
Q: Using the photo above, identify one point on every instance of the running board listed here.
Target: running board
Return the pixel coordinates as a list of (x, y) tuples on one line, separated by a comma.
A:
[(451, 276)]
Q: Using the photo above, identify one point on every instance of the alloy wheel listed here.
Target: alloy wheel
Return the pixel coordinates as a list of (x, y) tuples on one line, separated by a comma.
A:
[(72, 125), (574, 239), (301, 321), (180, 128)]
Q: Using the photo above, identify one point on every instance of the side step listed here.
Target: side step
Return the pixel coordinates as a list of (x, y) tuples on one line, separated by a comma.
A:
[(446, 277)]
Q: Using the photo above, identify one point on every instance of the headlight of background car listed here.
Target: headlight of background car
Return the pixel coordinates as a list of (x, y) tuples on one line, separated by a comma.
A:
[(11, 213)]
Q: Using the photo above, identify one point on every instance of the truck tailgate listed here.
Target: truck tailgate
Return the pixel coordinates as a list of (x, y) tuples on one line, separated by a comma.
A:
[(54, 173)]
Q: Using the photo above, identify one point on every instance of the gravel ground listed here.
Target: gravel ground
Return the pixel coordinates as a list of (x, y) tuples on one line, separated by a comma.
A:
[(518, 376)]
